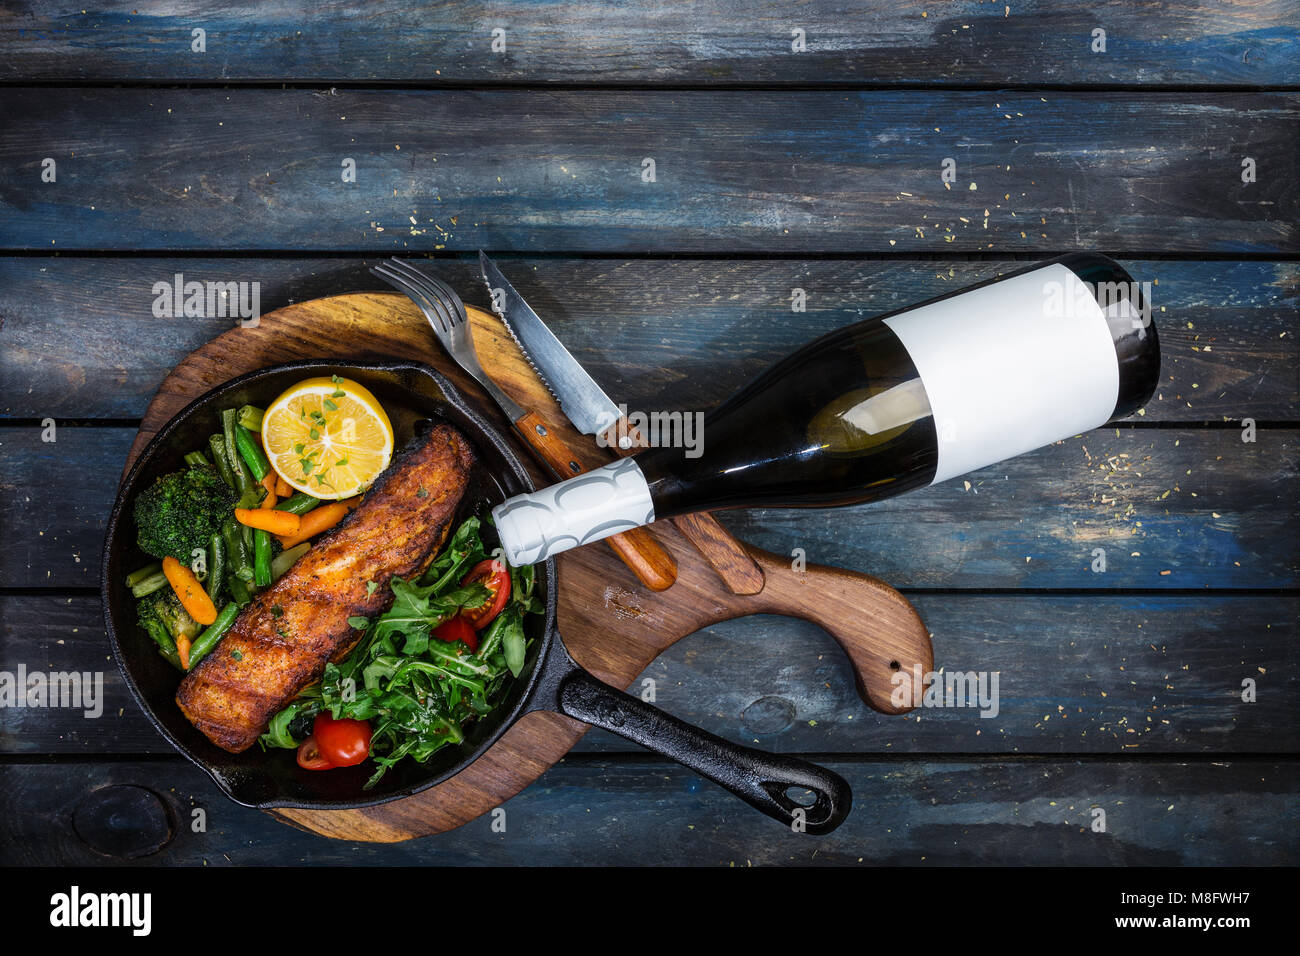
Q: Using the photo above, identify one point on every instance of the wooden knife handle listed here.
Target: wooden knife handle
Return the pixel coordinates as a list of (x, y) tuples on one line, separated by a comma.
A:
[(724, 553), (637, 548), (721, 550)]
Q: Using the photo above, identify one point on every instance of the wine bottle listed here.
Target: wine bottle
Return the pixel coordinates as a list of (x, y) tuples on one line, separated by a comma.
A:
[(883, 406)]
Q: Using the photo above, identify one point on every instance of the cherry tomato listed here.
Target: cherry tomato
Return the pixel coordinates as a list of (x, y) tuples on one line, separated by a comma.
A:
[(457, 629), (344, 742), (496, 577), (310, 757)]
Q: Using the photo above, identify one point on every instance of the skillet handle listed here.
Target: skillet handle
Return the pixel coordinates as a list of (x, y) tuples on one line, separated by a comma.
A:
[(760, 779)]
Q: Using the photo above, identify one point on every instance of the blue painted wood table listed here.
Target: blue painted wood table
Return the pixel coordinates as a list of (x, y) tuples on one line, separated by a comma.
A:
[(666, 181)]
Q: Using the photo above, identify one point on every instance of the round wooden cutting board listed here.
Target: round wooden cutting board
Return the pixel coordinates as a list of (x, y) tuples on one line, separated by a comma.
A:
[(611, 623)]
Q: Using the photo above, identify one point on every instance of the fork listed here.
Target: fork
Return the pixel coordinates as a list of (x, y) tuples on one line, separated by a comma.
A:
[(446, 313)]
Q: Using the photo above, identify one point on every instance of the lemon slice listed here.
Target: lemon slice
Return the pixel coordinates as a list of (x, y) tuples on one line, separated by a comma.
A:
[(328, 437)]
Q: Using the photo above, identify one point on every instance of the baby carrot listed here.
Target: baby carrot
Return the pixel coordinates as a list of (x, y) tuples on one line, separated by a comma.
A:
[(315, 521), (282, 488), (269, 484), (183, 650), (193, 598), (268, 519)]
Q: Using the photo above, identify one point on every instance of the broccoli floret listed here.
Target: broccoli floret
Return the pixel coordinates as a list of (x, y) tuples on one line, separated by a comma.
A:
[(164, 619), (149, 619), (180, 512), (162, 615)]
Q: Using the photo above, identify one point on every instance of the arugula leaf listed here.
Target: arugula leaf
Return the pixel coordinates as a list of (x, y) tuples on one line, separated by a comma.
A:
[(279, 731), (464, 549), (417, 642), (415, 607)]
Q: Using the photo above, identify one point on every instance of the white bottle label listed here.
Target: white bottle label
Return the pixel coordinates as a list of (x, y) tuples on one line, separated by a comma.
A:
[(1012, 367)]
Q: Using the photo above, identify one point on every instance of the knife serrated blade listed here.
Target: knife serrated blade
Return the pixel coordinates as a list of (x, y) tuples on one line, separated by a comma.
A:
[(589, 409)]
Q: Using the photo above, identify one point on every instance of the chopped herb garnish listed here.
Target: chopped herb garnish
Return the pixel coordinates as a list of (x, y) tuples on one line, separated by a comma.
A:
[(340, 463), (371, 588), (307, 465), (277, 611), (330, 406), (297, 448), (313, 434), (422, 493), (336, 379), (237, 655)]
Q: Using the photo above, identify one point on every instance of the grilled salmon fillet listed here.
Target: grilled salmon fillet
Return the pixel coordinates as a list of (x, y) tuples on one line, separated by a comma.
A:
[(283, 639)]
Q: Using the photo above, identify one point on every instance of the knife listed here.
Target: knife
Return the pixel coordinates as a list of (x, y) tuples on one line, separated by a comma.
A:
[(592, 412), (637, 547)]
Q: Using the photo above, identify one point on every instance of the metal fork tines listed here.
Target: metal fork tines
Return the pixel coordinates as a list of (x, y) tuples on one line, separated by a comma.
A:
[(446, 314)]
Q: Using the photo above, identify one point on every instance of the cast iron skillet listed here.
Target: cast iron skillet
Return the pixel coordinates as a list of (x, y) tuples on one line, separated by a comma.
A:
[(413, 394)]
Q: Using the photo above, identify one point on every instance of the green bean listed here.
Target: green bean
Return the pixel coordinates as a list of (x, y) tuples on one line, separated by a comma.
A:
[(237, 555), (147, 586), (250, 417), (283, 561), (250, 493), (148, 571), (299, 503), (239, 591), (261, 558), (197, 459), (251, 452), (228, 436), (206, 641), (218, 446), (216, 566)]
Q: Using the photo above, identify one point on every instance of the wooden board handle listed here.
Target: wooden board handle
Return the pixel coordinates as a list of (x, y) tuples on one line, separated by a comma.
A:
[(638, 549), (880, 631), (727, 556)]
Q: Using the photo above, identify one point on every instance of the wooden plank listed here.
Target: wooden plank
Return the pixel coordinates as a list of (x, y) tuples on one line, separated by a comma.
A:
[(787, 172), (54, 529), (80, 338), (64, 634), (1187, 508), (637, 812), (1166, 506), (548, 41), (1109, 674)]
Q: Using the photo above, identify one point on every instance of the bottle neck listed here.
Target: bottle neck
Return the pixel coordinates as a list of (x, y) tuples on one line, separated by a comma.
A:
[(668, 481)]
